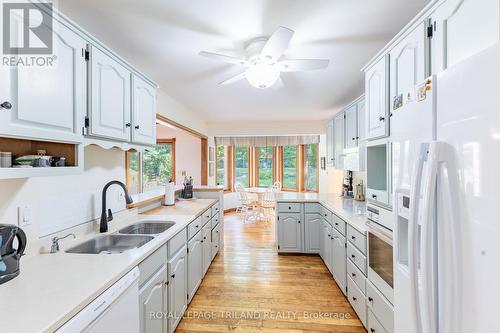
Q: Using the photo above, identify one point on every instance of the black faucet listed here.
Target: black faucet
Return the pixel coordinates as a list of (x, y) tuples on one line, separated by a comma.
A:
[(103, 227)]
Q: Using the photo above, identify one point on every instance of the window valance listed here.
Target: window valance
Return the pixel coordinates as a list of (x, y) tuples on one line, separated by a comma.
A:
[(266, 141)]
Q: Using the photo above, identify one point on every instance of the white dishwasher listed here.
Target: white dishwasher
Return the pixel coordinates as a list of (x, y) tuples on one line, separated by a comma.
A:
[(115, 310)]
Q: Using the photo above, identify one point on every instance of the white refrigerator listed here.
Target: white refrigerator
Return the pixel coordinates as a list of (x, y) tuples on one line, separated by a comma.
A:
[(447, 181)]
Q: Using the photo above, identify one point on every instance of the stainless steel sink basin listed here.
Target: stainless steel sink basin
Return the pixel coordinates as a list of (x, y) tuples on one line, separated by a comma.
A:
[(111, 244), (146, 228)]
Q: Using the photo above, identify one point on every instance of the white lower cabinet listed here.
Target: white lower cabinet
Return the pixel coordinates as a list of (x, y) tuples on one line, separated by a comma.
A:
[(357, 300), (339, 259), (207, 246), (326, 243), (177, 288), (312, 232), (153, 300), (290, 232), (215, 240), (374, 326), (195, 264)]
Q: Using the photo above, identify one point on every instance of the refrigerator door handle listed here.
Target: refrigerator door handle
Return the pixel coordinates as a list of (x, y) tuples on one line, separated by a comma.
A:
[(413, 240), (427, 298)]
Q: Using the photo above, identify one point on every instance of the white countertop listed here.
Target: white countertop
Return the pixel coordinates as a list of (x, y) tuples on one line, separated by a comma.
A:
[(52, 288), (351, 211)]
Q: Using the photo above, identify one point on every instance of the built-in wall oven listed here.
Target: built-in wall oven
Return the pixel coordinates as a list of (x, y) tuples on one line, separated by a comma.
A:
[(380, 251)]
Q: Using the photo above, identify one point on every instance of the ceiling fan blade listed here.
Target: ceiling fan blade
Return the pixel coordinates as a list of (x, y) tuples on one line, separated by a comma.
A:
[(278, 85), (234, 79), (277, 44), (224, 58), (300, 65)]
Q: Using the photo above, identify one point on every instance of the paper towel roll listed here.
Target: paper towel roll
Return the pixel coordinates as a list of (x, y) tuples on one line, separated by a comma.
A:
[(170, 194)]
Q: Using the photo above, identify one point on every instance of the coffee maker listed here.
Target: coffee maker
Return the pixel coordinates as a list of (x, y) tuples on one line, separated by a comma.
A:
[(9, 256)]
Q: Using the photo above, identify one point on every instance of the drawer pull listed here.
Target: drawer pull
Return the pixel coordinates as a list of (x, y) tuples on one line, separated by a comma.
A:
[(173, 276), (353, 237), (197, 226), (354, 298), (202, 240), (299, 221), (289, 207), (372, 330), (353, 274), (353, 256), (336, 223), (370, 299)]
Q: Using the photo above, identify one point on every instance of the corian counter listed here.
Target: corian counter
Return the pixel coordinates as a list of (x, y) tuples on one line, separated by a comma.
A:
[(52, 288), (351, 211)]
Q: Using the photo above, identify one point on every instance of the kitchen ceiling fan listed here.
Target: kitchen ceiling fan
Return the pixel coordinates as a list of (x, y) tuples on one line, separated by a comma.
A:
[(263, 64)]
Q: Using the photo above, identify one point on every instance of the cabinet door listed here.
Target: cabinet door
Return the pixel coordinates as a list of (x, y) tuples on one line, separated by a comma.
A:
[(376, 94), (143, 112), (177, 288), (462, 28), (408, 67), (195, 264), (153, 299), (312, 228), (326, 241), (207, 247), (339, 136), (351, 127), (110, 95), (339, 260), (361, 121), (290, 232), (330, 149), (48, 102)]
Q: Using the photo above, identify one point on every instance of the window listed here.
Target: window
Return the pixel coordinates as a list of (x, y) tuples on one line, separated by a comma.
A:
[(265, 176), (221, 166), (289, 161), (311, 167), (241, 166), (133, 171), (158, 165)]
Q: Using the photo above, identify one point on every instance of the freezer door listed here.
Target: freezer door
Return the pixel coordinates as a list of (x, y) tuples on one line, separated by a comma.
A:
[(468, 119)]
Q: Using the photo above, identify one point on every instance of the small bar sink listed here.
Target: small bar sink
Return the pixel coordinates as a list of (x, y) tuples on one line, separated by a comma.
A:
[(110, 244), (146, 228)]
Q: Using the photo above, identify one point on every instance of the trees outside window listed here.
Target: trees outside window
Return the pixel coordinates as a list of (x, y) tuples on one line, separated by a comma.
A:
[(290, 167), (221, 166), (264, 166), (311, 167), (241, 166), (157, 165)]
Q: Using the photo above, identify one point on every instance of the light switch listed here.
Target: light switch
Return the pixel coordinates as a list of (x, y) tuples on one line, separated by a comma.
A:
[(24, 215)]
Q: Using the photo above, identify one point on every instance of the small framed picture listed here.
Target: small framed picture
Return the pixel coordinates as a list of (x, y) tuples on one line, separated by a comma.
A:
[(323, 163), (211, 167), (211, 154)]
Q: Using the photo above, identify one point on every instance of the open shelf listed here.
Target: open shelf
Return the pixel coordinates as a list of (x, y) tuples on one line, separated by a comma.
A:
[(73, 153)]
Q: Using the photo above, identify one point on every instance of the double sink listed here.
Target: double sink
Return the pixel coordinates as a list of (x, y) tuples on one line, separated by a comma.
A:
[(131, 237)]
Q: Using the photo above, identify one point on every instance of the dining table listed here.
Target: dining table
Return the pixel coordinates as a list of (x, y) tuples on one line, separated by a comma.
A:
[(259, 214)]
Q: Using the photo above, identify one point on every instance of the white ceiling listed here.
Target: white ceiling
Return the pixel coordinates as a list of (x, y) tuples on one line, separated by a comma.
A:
[(163, 37)]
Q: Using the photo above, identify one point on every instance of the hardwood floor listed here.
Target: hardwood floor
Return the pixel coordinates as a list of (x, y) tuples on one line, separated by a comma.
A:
[(251, 288)]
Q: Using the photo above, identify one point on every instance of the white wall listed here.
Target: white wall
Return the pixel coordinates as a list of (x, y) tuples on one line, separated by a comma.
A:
[(64, 201), (187, 152), (173, 110), (266, 128)]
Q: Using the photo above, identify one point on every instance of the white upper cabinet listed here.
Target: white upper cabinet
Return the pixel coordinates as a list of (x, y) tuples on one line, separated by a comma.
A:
[(376, 92), (351, 127), (408, 66), (461, 29), (110, 110), (361, 121), (330, 149), (338, 134), (48, 103), (143, 112)]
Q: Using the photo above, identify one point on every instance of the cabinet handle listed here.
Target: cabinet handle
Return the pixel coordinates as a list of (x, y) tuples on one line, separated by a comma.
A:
[(137, 127), (197, 226), (374, 196), (336, 223), (372, 330), (381, 118), (128, 124), (204, 237), (173, 276), (289, 207), (353, 274), (217, 231), (353, 256), (370, 299), (299, 221), (353, 237), (354, 298), (329, 236), (6, 105), (202, 240), (353, 139)]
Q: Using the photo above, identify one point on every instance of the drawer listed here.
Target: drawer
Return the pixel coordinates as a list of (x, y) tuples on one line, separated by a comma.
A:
[(215, 244), (216, 231), (206, 216), (380, 307), (215, 220), (152, 264), (312, 208), (357, 300), (356, 257), (339, 224), (215, 209), (327, 215), (357, 239), (289, 207), (194, 227), (374, 326), (356, 276), (176, 243)]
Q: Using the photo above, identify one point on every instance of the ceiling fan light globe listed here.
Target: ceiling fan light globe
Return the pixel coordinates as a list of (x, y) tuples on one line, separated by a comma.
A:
[(262, 75)]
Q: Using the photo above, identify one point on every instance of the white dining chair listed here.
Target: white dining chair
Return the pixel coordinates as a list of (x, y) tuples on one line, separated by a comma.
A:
[(269, 203), (277, 187), (245, 204)]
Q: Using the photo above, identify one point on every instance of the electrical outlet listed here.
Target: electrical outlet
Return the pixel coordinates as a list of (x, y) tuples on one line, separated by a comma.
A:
[(24, 216)]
